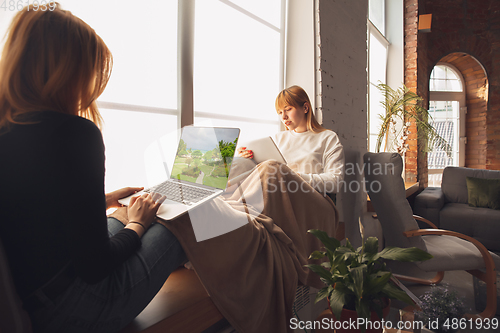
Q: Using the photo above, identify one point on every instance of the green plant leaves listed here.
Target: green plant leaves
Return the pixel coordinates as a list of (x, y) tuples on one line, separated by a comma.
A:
[(340, 265), (403, 104), (322, 293), (371, 245), (357, 274), (363, 311), (337, 301), (377, 281), (322, 272), (317, 255), (329, 242), (395, 293), (349, 245), (404, 254), (378, 308), (358, 278)]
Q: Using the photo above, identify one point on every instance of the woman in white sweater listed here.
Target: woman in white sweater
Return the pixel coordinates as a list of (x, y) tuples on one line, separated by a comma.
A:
[(311, 150)]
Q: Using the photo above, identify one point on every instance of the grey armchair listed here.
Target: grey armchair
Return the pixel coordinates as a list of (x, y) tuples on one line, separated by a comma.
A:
[(451, 250)]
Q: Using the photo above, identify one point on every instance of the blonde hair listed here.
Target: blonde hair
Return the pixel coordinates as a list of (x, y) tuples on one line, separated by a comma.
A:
[(52, 60), (297, 97)]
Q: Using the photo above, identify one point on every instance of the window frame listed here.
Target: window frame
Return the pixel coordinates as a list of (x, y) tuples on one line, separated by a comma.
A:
[(372, 30), (185, 70), (186, 113), (186, 37), (460, 97)]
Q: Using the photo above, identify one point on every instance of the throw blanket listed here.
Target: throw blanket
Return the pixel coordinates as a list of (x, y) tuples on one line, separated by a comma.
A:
[(252, 272)]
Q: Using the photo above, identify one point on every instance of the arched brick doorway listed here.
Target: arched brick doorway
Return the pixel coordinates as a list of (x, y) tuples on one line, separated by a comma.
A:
[(476, 92)]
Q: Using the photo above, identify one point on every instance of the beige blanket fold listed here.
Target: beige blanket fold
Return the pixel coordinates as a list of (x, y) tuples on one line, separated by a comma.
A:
[(252, 272)]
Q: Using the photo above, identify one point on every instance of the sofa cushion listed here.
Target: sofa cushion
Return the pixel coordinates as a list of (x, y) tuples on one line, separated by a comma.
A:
[(459, 217), (454, 185), (487, 231), (450, 253), (480, 223), (483, 192), (453, 253)]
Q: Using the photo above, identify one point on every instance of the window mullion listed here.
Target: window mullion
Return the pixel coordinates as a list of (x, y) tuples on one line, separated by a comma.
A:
[(185, 62)]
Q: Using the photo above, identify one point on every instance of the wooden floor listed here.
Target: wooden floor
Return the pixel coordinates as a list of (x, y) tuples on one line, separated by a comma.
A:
[(182, 305)]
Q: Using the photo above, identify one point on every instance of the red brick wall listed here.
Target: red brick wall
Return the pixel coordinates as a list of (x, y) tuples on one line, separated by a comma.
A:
[(416, 160), (468, 27), (411, 75), (422, 91)]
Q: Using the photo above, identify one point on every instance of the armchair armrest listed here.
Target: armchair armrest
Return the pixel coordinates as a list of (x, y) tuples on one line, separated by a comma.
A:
[(429, 203), (429, 223), (431, 197)]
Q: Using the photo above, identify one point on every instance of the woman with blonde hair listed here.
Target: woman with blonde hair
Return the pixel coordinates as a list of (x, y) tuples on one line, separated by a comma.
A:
[(311, 150), (275, 208), (75, 269)]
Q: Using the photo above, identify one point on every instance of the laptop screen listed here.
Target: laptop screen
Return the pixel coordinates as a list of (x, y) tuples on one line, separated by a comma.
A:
[(205, 154)]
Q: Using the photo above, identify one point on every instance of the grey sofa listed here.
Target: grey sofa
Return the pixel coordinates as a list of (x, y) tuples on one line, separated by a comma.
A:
[(447, 207)]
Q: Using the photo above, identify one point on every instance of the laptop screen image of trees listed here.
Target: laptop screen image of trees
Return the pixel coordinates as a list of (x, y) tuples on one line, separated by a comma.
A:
[(204, 155)]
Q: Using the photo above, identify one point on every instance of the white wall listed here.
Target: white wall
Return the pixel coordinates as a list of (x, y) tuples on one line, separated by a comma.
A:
[(327, 56), (343, 94)]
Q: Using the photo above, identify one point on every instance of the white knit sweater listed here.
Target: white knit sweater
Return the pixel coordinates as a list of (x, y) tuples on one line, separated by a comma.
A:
[(317, 157)]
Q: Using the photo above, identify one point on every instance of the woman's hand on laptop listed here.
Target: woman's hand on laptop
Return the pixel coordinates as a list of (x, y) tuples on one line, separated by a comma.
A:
[(113, 197), (243, 152), (142, 211)]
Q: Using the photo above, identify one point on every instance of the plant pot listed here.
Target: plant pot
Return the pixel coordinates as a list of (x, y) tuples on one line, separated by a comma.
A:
[(351, 316)]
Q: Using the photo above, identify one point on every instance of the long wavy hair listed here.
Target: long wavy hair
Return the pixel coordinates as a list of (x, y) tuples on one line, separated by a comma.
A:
[(297, 97), (51, 60)]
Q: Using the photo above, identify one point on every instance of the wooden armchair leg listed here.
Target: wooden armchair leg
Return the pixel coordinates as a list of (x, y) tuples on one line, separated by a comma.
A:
[(491, 292), (435, 280)]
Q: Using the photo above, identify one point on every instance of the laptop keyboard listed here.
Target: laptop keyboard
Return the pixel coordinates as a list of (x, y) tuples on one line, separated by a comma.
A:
[(179, 192)]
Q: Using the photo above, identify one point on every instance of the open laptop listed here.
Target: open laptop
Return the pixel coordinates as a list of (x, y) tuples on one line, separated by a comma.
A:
[(200, 171)]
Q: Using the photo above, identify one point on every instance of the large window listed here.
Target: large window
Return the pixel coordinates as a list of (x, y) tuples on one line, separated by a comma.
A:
[(447, 109), (238, 64), (377, 68), (235, 75), (139, 105), (385, 61)]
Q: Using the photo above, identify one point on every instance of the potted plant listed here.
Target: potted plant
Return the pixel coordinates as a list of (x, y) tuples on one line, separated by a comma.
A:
[(358, 279), (441, 309), (402, 104)]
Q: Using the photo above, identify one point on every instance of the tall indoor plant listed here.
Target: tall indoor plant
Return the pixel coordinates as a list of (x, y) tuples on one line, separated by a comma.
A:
[(402, 104), (358, 279)]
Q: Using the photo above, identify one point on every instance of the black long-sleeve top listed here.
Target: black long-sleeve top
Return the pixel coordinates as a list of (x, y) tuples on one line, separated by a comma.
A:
[(52, 202)]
